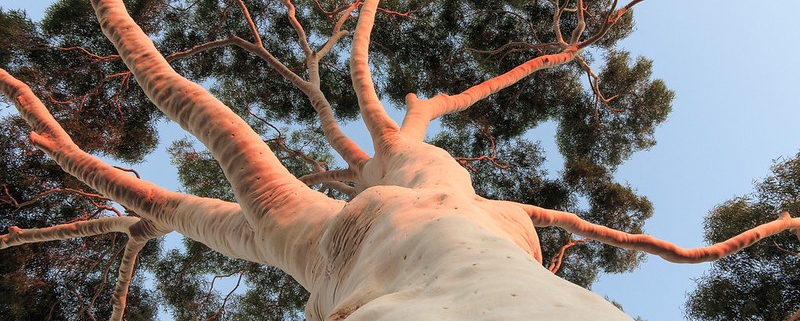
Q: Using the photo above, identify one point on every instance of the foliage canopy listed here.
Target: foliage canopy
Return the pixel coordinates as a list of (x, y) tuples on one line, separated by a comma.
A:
[(761, 282), (422, 47)]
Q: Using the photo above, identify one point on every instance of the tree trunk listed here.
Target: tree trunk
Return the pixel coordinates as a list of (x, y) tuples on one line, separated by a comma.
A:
[(415, 243)]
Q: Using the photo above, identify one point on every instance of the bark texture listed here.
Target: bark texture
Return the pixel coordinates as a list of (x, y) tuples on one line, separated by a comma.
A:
[(414, 243)]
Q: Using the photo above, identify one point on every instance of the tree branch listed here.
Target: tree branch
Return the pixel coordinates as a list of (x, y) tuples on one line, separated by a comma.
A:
[(795, 316), (652, 245), (576, 34), (250, 23), (342, 144), (17, 236), (380, 126), (329, 176), (16, 204), (610, 20), (421, 112), (87, 308), (343, 188), (464, 161), (555, 261), (333, 135), (792, 253), (199, 48), (230, 293), (202, 219), (125, 274), (246, 160), (335, 11), (49, 136), (301, 34), (558, 11)]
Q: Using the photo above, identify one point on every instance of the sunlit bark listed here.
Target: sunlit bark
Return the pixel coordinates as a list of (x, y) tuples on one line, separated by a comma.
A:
[(664, 249), (414, 243)]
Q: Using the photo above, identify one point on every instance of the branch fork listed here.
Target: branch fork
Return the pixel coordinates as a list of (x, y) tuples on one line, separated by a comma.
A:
[(279, 220)]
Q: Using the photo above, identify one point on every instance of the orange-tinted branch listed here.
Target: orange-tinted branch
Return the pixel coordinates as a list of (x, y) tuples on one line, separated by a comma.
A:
[(247, 162), (301, 34), (464, 161), (342, 144), (250, 23), (556, 260), (610, 20), (652, 245), (421, 112), (381, 127)]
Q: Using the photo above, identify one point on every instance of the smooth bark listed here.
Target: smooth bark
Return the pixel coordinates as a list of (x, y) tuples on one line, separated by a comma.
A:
[(414, 243)]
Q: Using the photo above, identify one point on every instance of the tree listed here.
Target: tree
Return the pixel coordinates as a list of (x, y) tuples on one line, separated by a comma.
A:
[(413, 229), (57, 280), (760, 282), (61, 39)]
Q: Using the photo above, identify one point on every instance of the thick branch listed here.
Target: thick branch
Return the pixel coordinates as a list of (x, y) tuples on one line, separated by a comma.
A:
[(202, 219), (652, 245), (576, 34), (378, 122), (278, 212), (49, 136), (105, 225), (421, 112), (246, 160), (340, 187), (126, 268)]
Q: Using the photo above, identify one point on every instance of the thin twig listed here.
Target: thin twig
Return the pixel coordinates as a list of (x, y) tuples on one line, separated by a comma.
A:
[(785, 250), (464, 161), (230, 293)]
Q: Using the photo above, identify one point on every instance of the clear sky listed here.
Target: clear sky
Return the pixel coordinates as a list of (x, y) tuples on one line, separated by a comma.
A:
[(736, 109), (731, 65)]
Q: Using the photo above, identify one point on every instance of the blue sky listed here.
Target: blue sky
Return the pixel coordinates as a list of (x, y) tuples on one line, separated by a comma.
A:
[(736, 109)]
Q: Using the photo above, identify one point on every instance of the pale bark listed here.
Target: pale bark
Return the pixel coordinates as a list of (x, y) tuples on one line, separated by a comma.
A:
[(414, 243), (18, 236), (166, 210), (381, 127)]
